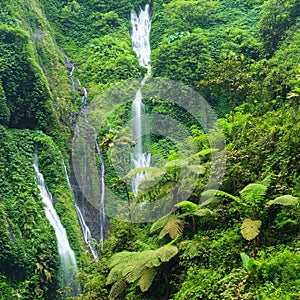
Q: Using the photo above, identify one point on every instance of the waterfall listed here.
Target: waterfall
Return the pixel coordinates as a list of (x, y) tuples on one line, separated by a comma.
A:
[(102, 197), (140, 35), (68, 265), (84, 228), (75, 85)]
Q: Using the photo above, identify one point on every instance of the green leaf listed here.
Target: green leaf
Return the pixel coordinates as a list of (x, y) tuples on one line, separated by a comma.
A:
[(176, 163), (250, 229), (248, 262)]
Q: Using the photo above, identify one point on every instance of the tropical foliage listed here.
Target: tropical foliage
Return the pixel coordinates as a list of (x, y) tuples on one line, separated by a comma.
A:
[(240, 241)]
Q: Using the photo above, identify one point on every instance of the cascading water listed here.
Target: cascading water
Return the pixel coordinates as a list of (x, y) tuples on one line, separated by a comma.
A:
[(84, 228), (102, 197), (68, 265), (140, 35)]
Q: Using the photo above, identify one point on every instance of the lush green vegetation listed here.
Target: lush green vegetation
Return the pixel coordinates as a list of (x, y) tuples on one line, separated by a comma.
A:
[(242, 242)]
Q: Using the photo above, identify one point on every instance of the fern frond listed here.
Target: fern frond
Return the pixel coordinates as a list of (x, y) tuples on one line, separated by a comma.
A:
[(213, 193), (250, 229), (160, 223), (207, 151), (134, 172), (147, 279), (165, 253), (173, 227), (122, 257), (133, 272), (254, 192), (187, 206), (202, 212), (141, 245), (286, 200), (267, 180), (149, 258), (115, 274), (212, 200), (117, 289)]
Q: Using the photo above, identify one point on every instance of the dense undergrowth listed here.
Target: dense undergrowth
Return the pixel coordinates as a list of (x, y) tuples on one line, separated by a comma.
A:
[(243, 57)]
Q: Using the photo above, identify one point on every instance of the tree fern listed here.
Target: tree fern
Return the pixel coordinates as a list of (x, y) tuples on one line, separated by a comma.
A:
[(140, 266)]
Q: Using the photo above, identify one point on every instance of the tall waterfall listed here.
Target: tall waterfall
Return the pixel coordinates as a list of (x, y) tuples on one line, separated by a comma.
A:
[(68, 265), (102, 197), (140, 35), (84, 228)]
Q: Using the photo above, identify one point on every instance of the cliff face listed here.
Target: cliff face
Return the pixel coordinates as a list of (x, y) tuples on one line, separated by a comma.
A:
[(36, 106)]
